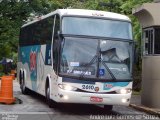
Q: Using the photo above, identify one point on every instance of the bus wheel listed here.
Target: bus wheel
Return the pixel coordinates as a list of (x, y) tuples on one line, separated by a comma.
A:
[(108, 107), (49, 101), (22, 86)]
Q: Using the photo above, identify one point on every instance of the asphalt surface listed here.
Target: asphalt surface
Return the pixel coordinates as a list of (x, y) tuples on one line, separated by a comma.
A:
[(34, 107)]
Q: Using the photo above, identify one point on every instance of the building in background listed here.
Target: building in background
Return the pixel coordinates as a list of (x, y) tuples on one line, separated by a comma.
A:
[(148, 15)]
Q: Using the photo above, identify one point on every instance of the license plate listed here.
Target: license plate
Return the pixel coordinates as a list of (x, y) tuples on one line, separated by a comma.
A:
[(96, 99)]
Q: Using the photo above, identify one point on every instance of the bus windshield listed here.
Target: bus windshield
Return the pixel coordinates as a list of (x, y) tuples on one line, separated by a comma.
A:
[(96, 27), (96, 58)]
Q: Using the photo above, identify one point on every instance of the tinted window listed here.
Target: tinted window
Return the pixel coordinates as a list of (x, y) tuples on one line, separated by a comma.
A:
[(97, 27), (56, 43), (151, 37), (37, 33), (157, 41)]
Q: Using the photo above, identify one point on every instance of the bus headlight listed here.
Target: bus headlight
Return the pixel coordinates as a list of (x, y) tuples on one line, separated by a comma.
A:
[(125, 100), (124, 91), (67, 87)]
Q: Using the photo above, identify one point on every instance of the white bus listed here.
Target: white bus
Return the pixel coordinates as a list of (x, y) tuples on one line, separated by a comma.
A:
[(78, 56)]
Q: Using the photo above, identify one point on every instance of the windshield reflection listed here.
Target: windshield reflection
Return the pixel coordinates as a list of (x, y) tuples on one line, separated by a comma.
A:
[(80, 57), (76, 54), (96, 27), (117, 56)]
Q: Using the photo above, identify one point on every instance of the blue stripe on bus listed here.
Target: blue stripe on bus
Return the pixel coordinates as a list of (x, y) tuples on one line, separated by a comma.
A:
[(106, 85), (48, 60), (109, 85)]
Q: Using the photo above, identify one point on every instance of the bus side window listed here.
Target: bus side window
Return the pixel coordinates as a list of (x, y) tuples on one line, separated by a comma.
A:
[(55, 44), (43, 31)]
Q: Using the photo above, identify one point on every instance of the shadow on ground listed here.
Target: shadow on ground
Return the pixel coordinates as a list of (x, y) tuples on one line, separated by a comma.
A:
[(74, 109)]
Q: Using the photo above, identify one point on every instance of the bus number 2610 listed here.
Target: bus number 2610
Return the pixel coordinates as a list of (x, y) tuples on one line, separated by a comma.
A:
[(88, 87)]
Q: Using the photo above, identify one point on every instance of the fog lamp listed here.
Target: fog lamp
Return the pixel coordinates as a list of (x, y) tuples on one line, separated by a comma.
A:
[(67, 87)]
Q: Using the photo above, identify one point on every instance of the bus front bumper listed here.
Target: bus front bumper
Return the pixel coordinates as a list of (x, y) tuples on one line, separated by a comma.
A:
[(92, 98)]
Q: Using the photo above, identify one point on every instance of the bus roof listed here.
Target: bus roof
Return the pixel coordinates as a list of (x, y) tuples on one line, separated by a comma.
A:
[(82, 12)]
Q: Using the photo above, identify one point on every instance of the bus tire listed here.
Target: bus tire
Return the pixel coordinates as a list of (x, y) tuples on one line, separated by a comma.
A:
[(22, 85), (48, 97), (50, 102), (108, 107)]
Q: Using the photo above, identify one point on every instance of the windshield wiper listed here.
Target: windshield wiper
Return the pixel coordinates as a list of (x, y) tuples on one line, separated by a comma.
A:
[(110, 72), (91, 62), (99, 60)]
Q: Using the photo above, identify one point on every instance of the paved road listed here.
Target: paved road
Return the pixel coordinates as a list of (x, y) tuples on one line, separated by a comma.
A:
[(34, 107)]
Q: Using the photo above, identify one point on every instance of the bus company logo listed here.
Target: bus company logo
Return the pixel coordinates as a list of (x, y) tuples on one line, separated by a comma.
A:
[(108, 85), (96, 89), (32, 61)]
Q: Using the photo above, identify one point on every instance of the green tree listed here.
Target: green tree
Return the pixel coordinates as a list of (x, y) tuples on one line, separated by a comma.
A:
[(13, 13)]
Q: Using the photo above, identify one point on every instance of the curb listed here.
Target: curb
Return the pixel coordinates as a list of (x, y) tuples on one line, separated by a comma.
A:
[(145, 109)]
